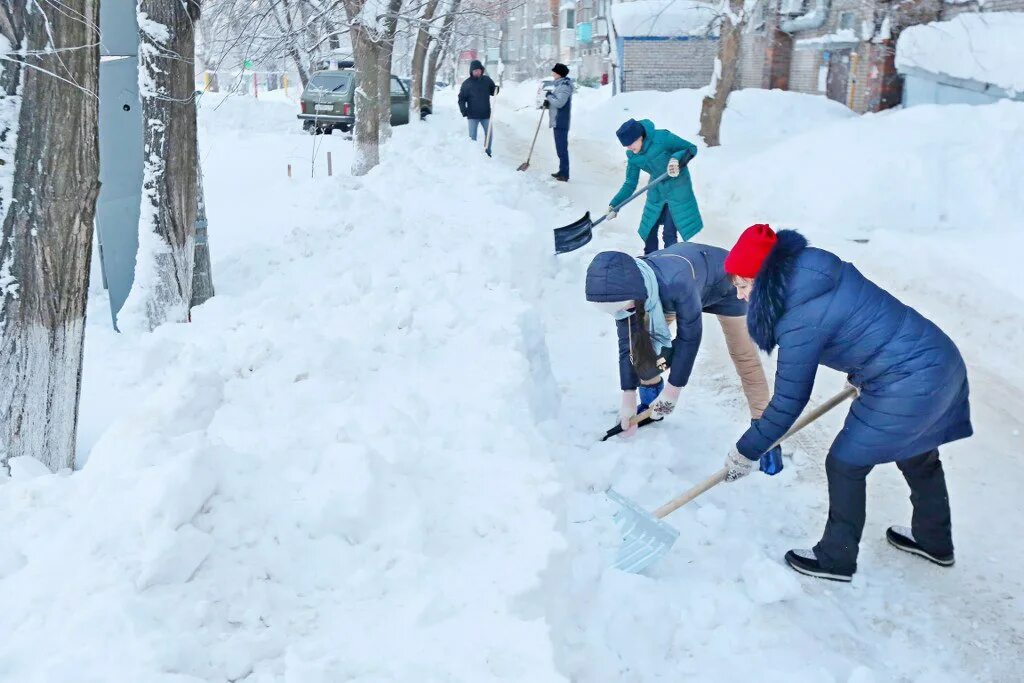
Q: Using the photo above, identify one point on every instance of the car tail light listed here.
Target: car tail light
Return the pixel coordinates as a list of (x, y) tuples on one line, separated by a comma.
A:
[(303, 107), (346, 109)]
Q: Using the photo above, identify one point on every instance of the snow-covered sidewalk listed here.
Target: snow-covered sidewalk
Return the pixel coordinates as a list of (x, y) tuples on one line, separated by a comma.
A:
[(373, 455)]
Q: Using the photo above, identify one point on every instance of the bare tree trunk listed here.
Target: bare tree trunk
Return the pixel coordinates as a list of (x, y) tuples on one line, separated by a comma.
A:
[(419, 59), (366, 134), (725, 78), (202, 275), (441, 45), (47, 208), (162, 289), (287, 25), (387, 53)]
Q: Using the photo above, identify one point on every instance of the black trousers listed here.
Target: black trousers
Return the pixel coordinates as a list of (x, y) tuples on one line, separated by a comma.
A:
[(847, 493)]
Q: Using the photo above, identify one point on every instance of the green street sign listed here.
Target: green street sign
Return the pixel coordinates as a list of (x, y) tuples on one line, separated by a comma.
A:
[(248, 64)]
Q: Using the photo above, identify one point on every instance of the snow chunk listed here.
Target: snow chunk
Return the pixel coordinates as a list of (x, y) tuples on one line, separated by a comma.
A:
[(665, 18), (981, 47), (174, 556), (27, 467), (768, 582)]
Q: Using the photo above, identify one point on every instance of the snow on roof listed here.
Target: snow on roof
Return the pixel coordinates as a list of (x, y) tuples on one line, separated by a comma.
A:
[(664, 18), (987, 48), (846, 36)]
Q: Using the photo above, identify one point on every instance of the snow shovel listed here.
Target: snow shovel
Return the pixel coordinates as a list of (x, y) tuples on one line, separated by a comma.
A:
[(646, 536), (526, 164), (575, 235), (641, 420)]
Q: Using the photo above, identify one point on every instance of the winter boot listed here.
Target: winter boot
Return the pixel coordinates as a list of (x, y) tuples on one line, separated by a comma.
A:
[(903, 538), (805, 562)]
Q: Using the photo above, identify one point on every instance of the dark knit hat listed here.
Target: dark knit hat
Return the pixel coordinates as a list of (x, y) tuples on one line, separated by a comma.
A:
[(629, 132), (561, 69)]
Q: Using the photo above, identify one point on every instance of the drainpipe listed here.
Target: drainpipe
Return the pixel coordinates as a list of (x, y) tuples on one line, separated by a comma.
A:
[(807, 22)]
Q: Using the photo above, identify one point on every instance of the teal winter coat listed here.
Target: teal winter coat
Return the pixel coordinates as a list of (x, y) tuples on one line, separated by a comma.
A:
[(659, 147)]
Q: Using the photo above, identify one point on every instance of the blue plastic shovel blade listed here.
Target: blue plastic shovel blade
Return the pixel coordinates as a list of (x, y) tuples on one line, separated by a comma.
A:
[(645, 538)]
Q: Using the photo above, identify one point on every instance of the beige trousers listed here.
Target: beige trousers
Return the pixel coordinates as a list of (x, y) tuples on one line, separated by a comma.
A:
[(748, 363)]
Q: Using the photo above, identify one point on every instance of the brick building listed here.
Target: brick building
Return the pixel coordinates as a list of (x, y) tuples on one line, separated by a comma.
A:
[(664, 44), (843, 49)]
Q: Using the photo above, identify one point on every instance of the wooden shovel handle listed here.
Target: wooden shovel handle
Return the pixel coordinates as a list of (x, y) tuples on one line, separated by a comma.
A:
[(719, 476)]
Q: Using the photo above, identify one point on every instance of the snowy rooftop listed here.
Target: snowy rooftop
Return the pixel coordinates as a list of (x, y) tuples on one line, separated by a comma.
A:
[(664, 18), (987, 48)]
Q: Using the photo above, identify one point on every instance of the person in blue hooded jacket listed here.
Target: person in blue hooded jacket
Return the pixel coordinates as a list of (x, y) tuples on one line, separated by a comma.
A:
[(818, 310), (644, 295), (671, 204)]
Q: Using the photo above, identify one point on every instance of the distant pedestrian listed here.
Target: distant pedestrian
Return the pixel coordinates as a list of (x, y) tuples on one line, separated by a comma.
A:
[(671, 204), (558, 102), (475, 101)]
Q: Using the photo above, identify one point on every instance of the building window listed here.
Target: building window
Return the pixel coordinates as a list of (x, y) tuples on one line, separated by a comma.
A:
[(847, 20), (570, 18)]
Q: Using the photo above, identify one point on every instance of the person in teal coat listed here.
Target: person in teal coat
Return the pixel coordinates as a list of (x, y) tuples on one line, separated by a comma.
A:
[(671, 203)]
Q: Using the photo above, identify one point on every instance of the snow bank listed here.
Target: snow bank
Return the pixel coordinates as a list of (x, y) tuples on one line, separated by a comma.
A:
[(753, 117), (945, 169), (985, 47), (665, 18), (334, 472)]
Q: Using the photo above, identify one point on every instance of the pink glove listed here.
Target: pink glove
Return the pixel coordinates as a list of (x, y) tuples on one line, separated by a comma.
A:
[(627, 411), (666, 401)]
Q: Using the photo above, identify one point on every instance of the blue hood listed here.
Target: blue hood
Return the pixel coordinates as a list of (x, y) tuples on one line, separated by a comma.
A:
[(614, 276)]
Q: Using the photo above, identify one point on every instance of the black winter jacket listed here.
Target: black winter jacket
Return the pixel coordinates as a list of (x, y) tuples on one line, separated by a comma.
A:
[(475, 94)]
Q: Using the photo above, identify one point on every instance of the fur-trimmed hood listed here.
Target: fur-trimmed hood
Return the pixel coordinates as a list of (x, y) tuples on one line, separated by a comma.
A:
[(771, 288)]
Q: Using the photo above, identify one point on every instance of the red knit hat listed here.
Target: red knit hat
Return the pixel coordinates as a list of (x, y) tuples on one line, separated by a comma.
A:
[(750, 251)]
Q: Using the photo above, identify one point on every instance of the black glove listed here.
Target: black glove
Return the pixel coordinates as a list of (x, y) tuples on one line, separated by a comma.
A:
[(497, 89), (546, 105)]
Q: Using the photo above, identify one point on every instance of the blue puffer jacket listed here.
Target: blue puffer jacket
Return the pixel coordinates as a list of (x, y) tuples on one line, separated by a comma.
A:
[(819, 310), (691, 280)]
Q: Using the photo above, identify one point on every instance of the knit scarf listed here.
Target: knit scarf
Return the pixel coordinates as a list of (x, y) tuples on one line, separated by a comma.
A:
[(657, 326)]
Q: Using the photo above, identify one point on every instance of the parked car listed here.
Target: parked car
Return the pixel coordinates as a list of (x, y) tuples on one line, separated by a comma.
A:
[(426, 104), (328, 101)]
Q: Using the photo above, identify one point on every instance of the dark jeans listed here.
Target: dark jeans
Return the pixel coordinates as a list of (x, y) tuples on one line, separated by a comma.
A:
[(669, 230), (562, 148), (837, 550)]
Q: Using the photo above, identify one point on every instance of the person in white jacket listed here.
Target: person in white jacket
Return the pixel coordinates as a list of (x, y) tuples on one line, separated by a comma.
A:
[(558, 102)]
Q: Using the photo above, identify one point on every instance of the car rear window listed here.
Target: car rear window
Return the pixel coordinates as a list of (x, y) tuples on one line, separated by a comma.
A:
[(330, 82)]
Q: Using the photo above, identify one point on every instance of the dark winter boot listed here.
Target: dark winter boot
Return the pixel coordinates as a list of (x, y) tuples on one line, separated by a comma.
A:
[(561, 179), (903, 538), (805, 562)]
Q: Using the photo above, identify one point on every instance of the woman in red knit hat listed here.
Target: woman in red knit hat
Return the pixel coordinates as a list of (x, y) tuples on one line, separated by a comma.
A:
[(819, 310)]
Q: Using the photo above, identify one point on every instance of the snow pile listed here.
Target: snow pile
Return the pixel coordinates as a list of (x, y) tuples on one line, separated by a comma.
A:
[(983, 47), (753, 117), (950, 169), (333, 473), (665, 18)]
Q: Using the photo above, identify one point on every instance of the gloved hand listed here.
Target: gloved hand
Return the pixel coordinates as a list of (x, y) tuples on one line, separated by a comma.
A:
[(612, 213), (666, 401), (673, 168), (738, 465), (771, 462), (627, 411), (546, 105)]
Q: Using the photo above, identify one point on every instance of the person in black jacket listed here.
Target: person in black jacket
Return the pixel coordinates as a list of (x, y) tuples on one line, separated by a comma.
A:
[(475, 101)]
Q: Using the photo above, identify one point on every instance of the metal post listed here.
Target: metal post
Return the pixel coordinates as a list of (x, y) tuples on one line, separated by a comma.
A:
[(121, 151)]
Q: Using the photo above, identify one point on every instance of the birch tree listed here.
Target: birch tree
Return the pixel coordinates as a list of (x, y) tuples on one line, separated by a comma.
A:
[(49, 182)]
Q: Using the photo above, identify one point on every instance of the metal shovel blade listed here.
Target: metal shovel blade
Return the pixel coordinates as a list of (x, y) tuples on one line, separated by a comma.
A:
[(645, 538), (523, 166), (573, 236)]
